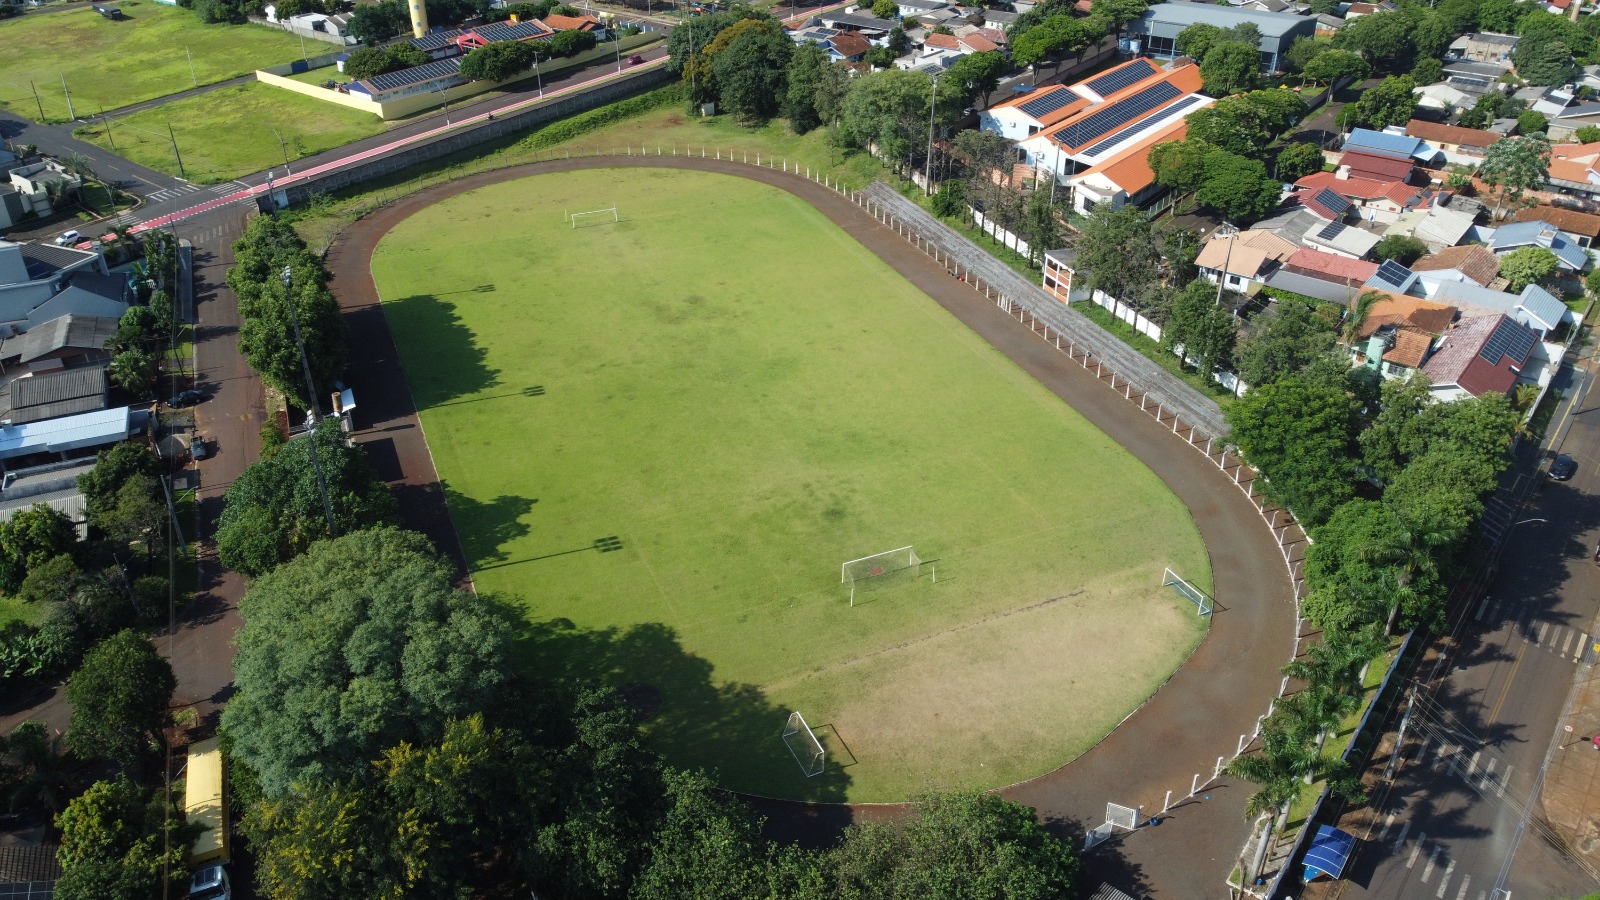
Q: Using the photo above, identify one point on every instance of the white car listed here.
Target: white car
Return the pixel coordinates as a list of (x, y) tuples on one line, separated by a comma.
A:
[(210, 883), (69, 237)]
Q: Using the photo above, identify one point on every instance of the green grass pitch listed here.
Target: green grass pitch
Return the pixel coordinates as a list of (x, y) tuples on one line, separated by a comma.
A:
[(112, 64), (661, 438)]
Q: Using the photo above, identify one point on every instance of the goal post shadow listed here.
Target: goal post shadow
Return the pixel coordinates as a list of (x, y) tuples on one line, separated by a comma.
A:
[(816, 749)]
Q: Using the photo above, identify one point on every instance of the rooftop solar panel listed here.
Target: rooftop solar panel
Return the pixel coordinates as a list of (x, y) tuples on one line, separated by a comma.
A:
[(1392, 273), (1049, 103), (1329, 232), (1116, 80), (436, 40), (1508, 339), (27, 890), (1144, 124), (1331, 201), (1115, 115), (439, 68), (506, 31)]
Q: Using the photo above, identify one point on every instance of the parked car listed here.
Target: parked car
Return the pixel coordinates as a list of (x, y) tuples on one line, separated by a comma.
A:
[(210, 883), (69, 237), (197, 448), (185, 398), (635, 60), (1563, 468)]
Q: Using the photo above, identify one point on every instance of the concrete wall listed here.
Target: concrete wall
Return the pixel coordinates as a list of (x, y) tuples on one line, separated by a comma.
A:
[(470, 136)]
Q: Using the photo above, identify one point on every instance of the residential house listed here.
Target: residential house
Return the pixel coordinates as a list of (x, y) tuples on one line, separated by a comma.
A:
[(870, 26), (1573, 169), (909, 8), (1303, 226), (1157, 30), (35, 182), (1583, 227), (1398, 334), (1392, 278), (1325, 276), (1472, 263), (54, 484), (39, 282), (1357, 10), (845, 46), (573, 23), (1535, 308), (975, 42), (1383, 143), (52, 394), (68, 436), (1456, 144), (1243, 261), (1328, 26), (12, 209), (1539, 233), (1446, 96), (1375, 166), (65, 342), (1485, 46), (1479, 355), (998, 19), (1374, 200), (1438, 226)]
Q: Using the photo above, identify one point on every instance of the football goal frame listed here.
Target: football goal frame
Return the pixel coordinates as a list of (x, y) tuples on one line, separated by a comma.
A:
[(879, 566), (1199, 598), (803, 744), (612, 210)]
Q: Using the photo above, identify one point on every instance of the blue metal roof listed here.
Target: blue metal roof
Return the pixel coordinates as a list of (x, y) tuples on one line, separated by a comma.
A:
[(1397, 145), (1542, 307), (1538, 233), (1329, 853), (94, 429)]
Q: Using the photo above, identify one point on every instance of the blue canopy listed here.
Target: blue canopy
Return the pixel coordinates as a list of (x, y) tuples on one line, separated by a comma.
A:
[(1330, 851)]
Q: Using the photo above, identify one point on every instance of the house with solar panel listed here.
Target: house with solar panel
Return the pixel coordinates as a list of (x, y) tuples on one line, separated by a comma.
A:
[(1481, 355), (441, 76), (1156, 32), (1094, 136)]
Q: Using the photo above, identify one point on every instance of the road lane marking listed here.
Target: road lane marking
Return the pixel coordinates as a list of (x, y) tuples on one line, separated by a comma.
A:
[(1462, 894), (1567, 644), (1444, 882), (1385, 829), (1577, 652), (1427, 870), (1543, 626), (1481, 607), (1494, 714), (1422, 751), (1505, 781), (1472, 766), (1401, 839), (1416, 848)]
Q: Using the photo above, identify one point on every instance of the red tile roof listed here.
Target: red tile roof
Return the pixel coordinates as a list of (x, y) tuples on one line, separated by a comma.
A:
[(849, 44), (1330, 266), (1460, 361), (942, 41), (1437, 133), (1410, 348), (572, 23), (1371, 165), (1569, 220), (977, 43)]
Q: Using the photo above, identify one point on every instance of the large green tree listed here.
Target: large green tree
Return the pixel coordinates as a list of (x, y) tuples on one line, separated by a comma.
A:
[(1527, 265), (1390, 102), (1298, 434), (1204, 329), (115, 842), (1383, 38), (1237, 187), (750, 72), (1514, 165), (30, 539), (497, 61), (119, 698), (1296, 161), (1286, 341), (1332, 65), (1117, 253), (358, 645), (1230, 67), (803, 80), (888, 109)]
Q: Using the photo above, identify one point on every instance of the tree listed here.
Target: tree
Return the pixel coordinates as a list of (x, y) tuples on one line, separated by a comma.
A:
[(1230, 67), (369, 62), (112, 469), (1501, 16), (1391, 102), (1402, 248), (119, 698), (273, 511), (1298, 434), (497, 61), (116, 843), (1514, 165), (135, 515), (957, 845), (354, 647), (1041, 226), (886, 9), (1427, 71), (708, 845), (134, 371), (971, 77), (1302, 52), (1532, 122), (266, 335), (889, 110), (32, 538), (374, 24), (1527, 265), (33, 771), (1296, 161), (1588, 134), (804, 79), (750, 73), (1197, 40), (1238, 188), (1234, 124), (1200, 326), (1180, 165), (1117, 252), (1285, 342), (570, 43), (1383, 39), (1548, 47)]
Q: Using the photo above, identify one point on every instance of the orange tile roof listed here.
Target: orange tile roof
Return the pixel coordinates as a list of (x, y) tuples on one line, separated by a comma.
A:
[(1472, 260), (1333, 265), (1411, 346), (942, 41), (977, 43), (1573, 162), (1450, 134), (572, 23), (1354, 187), (1130, 168), (1569, 220), (1408, 312)]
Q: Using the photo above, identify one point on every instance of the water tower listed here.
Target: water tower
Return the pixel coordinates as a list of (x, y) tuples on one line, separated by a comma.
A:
[(419, 19)]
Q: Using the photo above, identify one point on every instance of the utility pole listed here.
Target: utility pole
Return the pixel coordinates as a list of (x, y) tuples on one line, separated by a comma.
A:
[(285, 148), (311, 389), (1227, 259), (104, 118), (174, 138), (70, 114), (933, 104), (1400, 738), (192, 76), (36, 100)]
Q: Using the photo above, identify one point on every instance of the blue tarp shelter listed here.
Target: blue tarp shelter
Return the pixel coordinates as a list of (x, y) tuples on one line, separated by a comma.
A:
[(1330, 851)]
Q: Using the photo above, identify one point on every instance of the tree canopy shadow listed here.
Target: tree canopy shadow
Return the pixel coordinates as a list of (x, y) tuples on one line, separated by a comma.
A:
[(487, 526), (730, 729), (446, 362)]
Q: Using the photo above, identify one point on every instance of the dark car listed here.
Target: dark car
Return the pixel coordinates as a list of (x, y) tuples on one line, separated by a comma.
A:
[(635, 60), (185, 398), (197, 448), (1563, 468)]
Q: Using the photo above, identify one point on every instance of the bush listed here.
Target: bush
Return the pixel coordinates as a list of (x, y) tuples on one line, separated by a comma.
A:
[(570, 43), (595, 119)]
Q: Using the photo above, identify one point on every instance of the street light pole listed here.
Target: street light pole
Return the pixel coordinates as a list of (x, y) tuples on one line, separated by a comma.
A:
[(1227, 259), (65, 90), (174, 138), (933, 104), (192, 76), (311, 388)]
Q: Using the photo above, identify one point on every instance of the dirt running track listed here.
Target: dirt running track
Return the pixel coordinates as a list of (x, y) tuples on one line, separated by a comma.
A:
[(1195, 718)]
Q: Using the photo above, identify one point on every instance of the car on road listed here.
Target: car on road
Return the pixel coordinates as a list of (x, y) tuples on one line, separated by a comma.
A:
[(210, 883), (635, 60), (197, 448), (1563, 468), (186, 398), (69, 237)]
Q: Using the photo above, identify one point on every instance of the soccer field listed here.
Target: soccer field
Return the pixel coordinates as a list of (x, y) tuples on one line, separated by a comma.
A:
[(661, 438)]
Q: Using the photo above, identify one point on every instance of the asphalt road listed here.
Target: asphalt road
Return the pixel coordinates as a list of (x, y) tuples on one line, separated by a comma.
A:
[(1461, 819)]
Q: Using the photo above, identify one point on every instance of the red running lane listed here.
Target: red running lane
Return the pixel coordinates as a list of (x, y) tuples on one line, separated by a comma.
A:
[(412, 140)]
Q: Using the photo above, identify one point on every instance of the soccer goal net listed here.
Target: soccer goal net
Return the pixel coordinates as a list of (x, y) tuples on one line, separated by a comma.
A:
[(1122, 816), (880, 569), (803, 743), (595, 217), (1185, 589)]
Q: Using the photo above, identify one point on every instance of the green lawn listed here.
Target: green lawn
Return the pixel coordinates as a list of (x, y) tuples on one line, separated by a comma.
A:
[(661, 438), (113, 64), (230, 132)]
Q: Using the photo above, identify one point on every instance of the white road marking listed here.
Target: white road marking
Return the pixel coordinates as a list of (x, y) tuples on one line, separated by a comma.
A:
[(1577, 652), (1567, 644), (1427, 870), (1416, 848), (1472, 766), (1422, 752), (1445, 880), (1462, 894), (1401, 838), (1505, 780), (1556, 636), (1388, 820), (1543, 626)]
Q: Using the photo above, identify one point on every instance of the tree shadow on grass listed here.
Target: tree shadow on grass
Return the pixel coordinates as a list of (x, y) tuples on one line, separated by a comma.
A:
[(487, 526), (443, 359), (729, 729)]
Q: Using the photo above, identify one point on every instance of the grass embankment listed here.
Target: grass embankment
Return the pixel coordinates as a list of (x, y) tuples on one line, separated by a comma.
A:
[(661, 443), (108, 65)]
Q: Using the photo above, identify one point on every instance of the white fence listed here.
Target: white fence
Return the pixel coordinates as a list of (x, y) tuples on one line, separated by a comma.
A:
[(1130, 316), (1003, 236)]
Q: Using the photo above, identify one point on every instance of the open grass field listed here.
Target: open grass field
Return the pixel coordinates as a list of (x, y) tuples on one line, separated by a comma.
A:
[(232, 131), (661, 438), (113, 64)]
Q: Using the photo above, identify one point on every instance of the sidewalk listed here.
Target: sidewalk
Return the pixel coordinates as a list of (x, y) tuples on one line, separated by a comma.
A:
[(1571, 797)]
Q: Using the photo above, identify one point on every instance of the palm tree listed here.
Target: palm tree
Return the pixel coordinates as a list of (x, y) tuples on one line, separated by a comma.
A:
[(1409, 551), (1357, 315), (1279, 775), (34, 756)]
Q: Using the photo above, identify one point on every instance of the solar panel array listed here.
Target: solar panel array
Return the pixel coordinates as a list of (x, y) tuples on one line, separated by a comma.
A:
[(1334, 203), (1144, 124), (27, 890), (1114, 81), (1329, 232), (1393, 274), (436, 41), (439, 68), (506, 31), (1049, 103), (1117, 114), (1508, 339)]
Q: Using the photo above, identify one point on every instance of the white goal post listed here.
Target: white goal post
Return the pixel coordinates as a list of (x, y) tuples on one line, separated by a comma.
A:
[(803, 743), (1199, 598), (858, 572), (612, 211)]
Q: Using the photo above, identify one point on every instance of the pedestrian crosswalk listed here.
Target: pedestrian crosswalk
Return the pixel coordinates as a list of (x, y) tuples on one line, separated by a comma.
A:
[(185, 188), (1435, 861), (1567, 642)]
